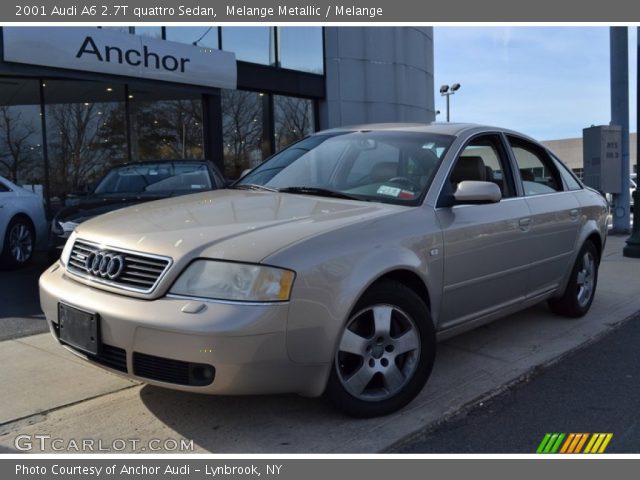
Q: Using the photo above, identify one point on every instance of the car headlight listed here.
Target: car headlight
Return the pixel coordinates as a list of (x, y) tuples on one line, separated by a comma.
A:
[(234, 281), (66, 251)]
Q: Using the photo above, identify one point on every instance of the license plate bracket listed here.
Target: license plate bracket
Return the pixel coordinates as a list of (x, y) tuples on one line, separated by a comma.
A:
[(79, 329)]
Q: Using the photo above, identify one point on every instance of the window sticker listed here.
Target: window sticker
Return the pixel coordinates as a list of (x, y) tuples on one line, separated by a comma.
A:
[(406, 195), (391, 191)]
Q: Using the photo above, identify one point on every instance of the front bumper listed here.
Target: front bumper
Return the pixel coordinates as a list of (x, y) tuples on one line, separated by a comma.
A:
[(244, 343)]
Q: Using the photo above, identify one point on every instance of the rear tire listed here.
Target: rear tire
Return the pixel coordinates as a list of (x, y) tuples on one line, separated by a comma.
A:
[(19, 243), (578, 296), (385, 353)]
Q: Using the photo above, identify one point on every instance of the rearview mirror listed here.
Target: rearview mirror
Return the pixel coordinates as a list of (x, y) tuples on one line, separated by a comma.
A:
[(471, 191)]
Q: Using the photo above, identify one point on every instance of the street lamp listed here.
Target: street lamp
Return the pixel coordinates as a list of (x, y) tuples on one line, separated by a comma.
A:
[(632, 249), (447, 91)]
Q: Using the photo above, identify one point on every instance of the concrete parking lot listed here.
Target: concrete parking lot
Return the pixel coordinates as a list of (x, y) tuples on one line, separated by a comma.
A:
[(48, 391)]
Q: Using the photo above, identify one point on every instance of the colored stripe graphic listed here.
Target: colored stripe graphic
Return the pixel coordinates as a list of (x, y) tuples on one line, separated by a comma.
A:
[(598, 443), (574, 443), (550, 443), (570, 438), (607, 439), (581, 443), (556, 446), (543, 443), (594, 437)]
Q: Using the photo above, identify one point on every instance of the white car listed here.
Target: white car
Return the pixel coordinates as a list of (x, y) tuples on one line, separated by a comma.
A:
[(23, 225)]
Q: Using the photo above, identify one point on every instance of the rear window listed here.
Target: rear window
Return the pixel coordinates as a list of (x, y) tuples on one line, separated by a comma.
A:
[(568, 177)]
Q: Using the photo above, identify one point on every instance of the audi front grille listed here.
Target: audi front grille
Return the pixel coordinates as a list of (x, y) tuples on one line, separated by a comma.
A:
[(133, 271)]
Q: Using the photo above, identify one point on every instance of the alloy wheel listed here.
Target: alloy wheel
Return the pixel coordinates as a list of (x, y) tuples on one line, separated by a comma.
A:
[(585, 279), (20, 242), (379, 352)]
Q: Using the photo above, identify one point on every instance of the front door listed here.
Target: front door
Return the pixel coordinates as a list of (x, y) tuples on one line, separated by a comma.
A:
[(484, 263)]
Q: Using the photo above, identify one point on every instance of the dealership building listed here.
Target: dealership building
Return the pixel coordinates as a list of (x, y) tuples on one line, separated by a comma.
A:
[(75, 101)]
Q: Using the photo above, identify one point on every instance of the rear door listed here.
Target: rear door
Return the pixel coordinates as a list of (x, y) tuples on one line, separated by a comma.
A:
[(555, 216), (485, 264)]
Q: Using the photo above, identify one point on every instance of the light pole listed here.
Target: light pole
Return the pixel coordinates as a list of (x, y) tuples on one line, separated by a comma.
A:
[(632, 249), (619, 58), (447, 91)]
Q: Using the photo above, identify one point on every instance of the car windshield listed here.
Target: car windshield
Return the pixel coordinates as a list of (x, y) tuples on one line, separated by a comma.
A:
[(381, 166), (156, 178)]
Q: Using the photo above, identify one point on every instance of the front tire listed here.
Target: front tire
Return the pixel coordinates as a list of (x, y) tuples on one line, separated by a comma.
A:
[(578, 296), (19, 243), (385, 352)]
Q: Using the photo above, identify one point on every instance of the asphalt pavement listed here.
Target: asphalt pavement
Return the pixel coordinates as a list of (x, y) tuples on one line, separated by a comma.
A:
[(595, 389)]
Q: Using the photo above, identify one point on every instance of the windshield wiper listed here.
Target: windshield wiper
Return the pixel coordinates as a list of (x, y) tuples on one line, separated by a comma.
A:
[(252, 186), (322, 192)]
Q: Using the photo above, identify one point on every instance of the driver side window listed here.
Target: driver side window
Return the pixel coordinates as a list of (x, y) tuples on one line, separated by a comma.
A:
[(374, 165), (483, 159)]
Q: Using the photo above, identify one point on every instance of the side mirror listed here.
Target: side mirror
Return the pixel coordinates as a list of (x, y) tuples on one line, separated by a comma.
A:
[(473, 192)]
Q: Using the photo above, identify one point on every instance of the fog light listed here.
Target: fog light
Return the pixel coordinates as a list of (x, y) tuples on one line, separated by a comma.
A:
[(201, 374)]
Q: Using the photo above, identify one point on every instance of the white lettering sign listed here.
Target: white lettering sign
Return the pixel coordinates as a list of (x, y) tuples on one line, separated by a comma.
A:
[(115, 53)]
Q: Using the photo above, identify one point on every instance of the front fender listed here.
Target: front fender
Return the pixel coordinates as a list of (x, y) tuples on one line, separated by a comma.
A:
[(331, 276)]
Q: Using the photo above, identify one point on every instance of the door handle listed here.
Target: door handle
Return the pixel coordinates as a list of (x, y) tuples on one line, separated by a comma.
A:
[(524, 223), (574, 213)]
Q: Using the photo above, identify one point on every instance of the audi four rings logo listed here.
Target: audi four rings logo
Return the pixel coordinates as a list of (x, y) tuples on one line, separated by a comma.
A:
[(104, 264)]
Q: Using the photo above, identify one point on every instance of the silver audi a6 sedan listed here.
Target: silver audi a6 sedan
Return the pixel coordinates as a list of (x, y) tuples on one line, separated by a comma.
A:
[(333, 267)]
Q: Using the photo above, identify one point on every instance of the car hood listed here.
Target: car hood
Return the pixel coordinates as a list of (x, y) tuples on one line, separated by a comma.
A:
[(92, 206), (226, 224)]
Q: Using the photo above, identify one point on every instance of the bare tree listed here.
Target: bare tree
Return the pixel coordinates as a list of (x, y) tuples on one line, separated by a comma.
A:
[(170, 129), (16, 151), (82, 143), (241, 130), (294, 119)]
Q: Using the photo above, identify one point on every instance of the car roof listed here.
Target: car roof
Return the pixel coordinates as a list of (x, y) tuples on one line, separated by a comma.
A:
[(443, 128), (432, 127)]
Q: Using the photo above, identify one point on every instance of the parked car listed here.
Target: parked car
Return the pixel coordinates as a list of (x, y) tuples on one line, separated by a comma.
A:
[(131, 184), (23, 225), (333, 267)]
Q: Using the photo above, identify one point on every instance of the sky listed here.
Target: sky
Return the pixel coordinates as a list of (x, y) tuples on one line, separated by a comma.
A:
[(547, 82)]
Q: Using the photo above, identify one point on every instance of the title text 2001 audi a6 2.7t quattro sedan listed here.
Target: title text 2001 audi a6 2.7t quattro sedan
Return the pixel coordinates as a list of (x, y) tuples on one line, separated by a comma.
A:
[(333, 267)]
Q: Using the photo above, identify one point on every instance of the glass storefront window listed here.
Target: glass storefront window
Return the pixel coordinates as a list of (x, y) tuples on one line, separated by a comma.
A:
[(166, 124), (21, 158), (301, 48), (293, 119), (86, 134), (244, 142), (118, 29), (250, 44), (153, 32), (201, 36)]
